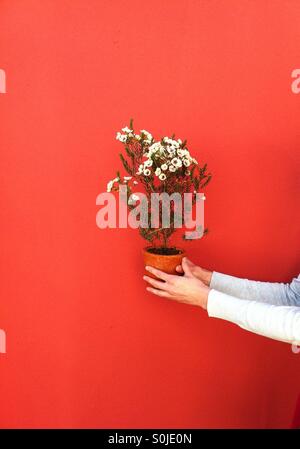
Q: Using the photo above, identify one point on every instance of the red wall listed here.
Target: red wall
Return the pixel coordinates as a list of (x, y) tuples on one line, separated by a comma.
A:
[(86, 345)]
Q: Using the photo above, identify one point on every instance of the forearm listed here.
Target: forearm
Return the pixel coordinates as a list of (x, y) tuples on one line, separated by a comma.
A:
[(277, 322), (264, 292)]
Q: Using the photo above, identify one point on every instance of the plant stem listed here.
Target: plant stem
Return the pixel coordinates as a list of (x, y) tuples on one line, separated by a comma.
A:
[(165, 239)]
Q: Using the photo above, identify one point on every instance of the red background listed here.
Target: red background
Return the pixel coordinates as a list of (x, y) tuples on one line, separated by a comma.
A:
[(86, 345)]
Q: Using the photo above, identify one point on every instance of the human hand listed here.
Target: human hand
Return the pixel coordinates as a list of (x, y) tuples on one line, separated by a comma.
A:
[(200, 273), (187, 289)]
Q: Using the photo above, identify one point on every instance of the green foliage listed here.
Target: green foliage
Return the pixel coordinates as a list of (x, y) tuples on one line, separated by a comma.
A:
[(128, 151), (180, 181), (146, 234), (208, 178)]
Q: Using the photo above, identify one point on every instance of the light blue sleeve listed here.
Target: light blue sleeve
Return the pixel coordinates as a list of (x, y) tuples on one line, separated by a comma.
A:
[(273, 321), (279, 294)]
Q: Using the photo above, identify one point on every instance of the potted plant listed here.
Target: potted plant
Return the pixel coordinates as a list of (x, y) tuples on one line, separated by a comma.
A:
[(159, 166)]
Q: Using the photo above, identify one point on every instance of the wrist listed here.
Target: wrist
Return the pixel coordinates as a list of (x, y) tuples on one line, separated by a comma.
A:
[(208, 276), (205, 276), (204, 297)]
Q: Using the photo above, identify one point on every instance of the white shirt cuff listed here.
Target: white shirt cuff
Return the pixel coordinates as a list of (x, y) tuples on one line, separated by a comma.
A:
[(220, 305)]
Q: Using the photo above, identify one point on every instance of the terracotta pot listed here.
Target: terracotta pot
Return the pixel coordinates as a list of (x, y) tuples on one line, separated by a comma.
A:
[(166, 263)]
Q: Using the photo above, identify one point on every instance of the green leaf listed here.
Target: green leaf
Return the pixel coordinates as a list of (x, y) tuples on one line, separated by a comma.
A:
[(129, 152), (146, 234), (126, 165), (196, 182), (203, 169), (192, 172), (204, 184)]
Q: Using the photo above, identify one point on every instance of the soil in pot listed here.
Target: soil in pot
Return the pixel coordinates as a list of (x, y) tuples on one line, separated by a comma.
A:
[(164, 259)]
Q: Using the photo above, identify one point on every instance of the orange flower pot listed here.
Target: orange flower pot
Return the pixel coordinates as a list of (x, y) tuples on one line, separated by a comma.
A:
[(166, 263)]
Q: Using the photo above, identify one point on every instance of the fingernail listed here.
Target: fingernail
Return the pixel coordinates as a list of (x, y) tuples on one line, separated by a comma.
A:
[(147, 268)]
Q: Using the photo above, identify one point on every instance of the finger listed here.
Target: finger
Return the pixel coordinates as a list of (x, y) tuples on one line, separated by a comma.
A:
[(158, 292), (189, 262), (156, 284), (179, 269), (186, 267), (159, 274)]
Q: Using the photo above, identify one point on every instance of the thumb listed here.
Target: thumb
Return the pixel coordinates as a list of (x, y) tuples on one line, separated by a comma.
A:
[(191, 264), (186, 267)]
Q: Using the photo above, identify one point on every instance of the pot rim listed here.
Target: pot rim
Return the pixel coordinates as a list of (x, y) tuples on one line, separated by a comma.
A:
[(182, 253)]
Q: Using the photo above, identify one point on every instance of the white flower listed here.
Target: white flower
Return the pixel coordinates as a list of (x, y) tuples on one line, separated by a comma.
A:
[(172, 142), (140, 169), (171, 151), (127, 178), (162, 177), (133, 198), (137, 136), (179, 141), (135, 182), (147, 172), (177, 162), (147, 135), (172, 168), (121, 137), (126, 130), (164, 167), (186, 162), (156, 149), (183, 153), (111, 183), (148, 163), (158, 171)]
